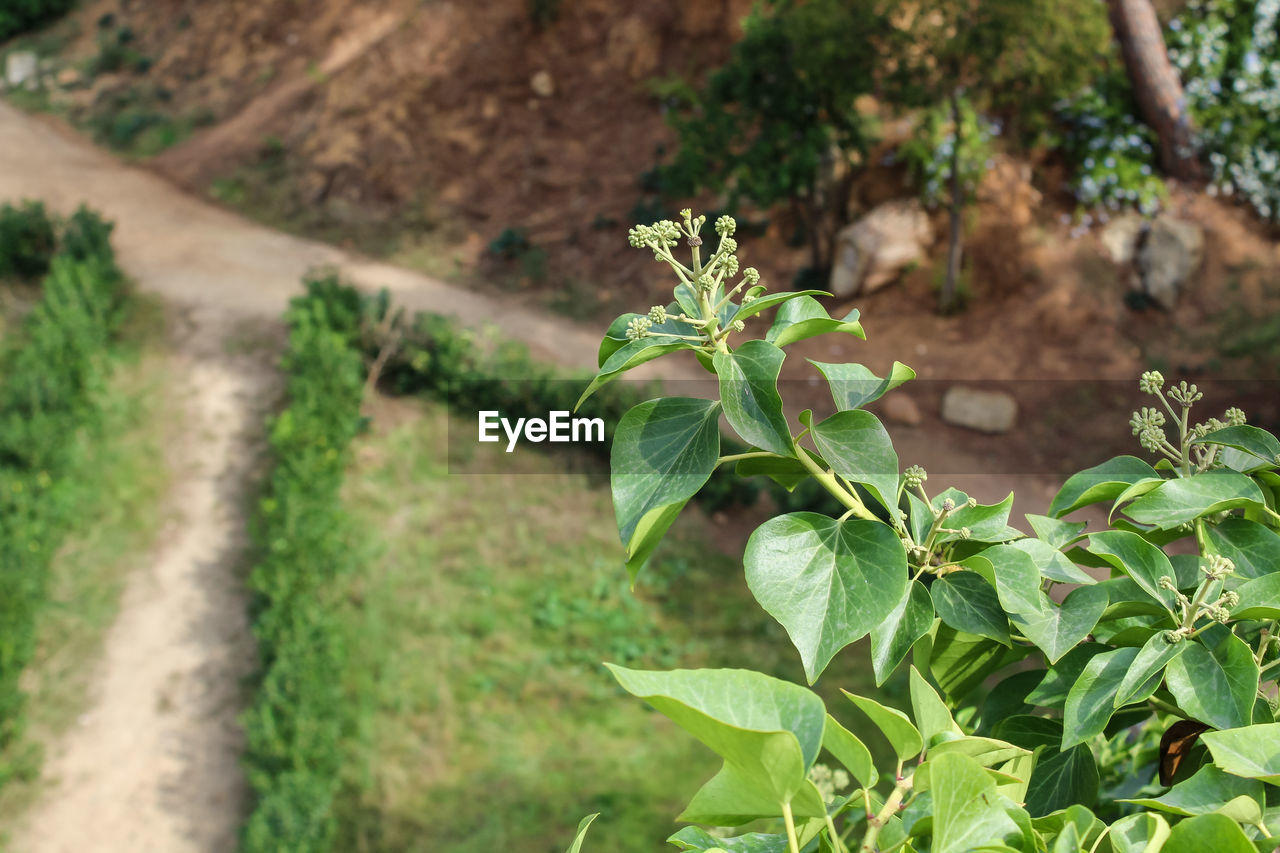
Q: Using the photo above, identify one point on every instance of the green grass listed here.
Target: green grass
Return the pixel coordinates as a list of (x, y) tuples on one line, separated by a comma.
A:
[(119, 518), (477, 630)]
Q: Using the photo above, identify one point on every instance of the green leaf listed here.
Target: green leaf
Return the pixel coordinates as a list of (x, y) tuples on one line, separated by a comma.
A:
[(576, 846), (697, 838), (894, 637), (968, 603), (1254, 548), (827, 582), (632, 354), (960, 662), (1091, 700), (764, 303), (1008, 698), (786, 472), (1259, 599), (1057, 629), (967, 810), (646, 538), (1052, 563), (1139, 833), (857, 447), (1030, 732), (767, 730), (1142, 678), (932, 716), (1215, 682), (986, 751), (1017, 580), (893, 724), (986, 522), (749, 392), (1052, 691), (735, 796), (1054, 531), (615, 338), (1062, 779), (1209, 791), (1251, 751), (850, 752), (1176, 502), (1257, 449), (1067, 841), (854, 386), (805, 317), (1140, 560), (1100, 483), (1210, 832), (663, 452)]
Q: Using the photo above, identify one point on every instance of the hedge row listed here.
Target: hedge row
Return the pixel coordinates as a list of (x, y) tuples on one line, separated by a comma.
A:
[(303, 541), (20, 16), (53, 372)]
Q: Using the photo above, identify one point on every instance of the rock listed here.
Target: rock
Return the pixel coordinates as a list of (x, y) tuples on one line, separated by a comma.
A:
[(1168, 257), (542, 84), (985, 411), (900, 409), (68, 77), (1121, 236), (22, 68), (871, 252)]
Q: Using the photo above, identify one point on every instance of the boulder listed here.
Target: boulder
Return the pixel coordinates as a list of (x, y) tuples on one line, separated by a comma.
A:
[(22, 68), (1169, 256), (542, 84), (985, 411), (900, 409), (873, 251), (1121, 237)]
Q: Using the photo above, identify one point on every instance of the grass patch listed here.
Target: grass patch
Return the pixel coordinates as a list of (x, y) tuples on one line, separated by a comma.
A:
[(476, 633), (117, 522)]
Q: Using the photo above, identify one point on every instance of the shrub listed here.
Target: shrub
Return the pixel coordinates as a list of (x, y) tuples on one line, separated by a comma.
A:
[(298, 719), (20, 16), (27, 240)]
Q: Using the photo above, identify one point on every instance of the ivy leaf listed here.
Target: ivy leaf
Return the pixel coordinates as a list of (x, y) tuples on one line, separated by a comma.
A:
[(968, 813), (1062, 779), (857, 447), (1140, 560), (1054, 531), (850, 752), (1143, 676), (960, 662), (1208, 791), (827, 582), (986, 522), (804, 317), (764, 303), (630, 355), (1176, 502), (1254, 548), (854, 386), (1251, 751), (1215, 682), (894, 637), (968, 603), (1259, 598), (768, 731), (735, 796), (1215, 832), (697, 838), (786, 472), (1144, 832), (1052, 563), (615, 337), (663, 453), (1052, 691), (1092, 699), (932, 716), (749, 391), (576, 846), (893, 724), (1255, 449), (1100, 483), (1057, 629)]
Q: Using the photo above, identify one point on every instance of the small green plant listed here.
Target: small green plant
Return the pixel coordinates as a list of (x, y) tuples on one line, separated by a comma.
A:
[(1135, 712), (21, 16), (27, 240)]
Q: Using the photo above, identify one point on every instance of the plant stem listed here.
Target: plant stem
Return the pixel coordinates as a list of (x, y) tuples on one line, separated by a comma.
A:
[(875, 824), (755, 454), (1160, 705), (791, 828), (836, 842), (828, 481)]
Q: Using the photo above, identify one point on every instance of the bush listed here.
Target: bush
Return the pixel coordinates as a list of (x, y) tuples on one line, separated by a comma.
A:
[(27, 240), (298, 719), (54, 372), (20, 16)]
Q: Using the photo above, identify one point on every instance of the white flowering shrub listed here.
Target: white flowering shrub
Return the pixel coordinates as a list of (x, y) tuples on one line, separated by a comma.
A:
[(1228, 53), (928, 154)]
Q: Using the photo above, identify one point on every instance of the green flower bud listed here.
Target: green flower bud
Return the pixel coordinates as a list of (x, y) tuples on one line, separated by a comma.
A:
[(728, 245), (1177, 635), (738, 325), (1151, 382), (748, 299), (1234, 416), (1220, 614), (726, 225), (731, 264), (1166, 582), (667, 232), (965, 533), (686, 214), (1230, 598), (1185, 394), (752, 276), (914, 477), (706, 283), (657, 314), (1217, 567), (948, 505), (641, 236), (1145, 418), (1151, 438), (638, 328)]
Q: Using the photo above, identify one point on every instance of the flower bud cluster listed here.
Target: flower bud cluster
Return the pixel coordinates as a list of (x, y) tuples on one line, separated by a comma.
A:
[(828, 782), (1185, 394), (914, 477), (1151, 382), (638, 328), (1218, 567), (657, 315)]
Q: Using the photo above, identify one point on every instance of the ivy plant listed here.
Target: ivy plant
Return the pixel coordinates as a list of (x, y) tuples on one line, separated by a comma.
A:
[(1074, 691)]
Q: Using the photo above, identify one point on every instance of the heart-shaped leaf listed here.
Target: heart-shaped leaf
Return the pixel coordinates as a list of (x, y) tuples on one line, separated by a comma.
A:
[(1215, 680), (961, 662), (1252, 547), (857, 447), (968, 603), (1255, 449), (854, 386), (1100, 483), (1056, 532), (894, 637), (1176, 502), (827, 582), (1139, 833), (1259, 598), (630, 355), (1052, 563), (985, 522), (804, 317), (967, 812), (902, 735), (1210, 832), (1251, 751), (1208, 791), (1062, 779), (1057, 629), (1091, 700), (764, 303), (749, 392), (1140, 560), (1143, 675)]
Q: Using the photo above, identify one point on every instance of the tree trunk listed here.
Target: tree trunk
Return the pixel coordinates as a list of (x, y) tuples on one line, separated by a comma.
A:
[(1155, 84), (946, 302)]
